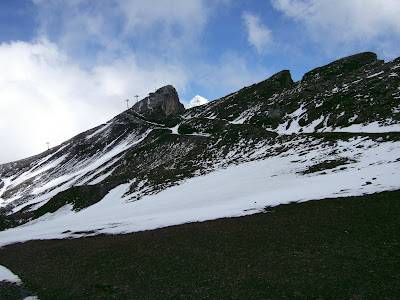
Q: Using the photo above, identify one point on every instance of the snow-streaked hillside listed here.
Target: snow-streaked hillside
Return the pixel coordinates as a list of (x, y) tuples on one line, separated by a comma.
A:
[(197, 101), (355, 94), (309, 169), (334, 133)]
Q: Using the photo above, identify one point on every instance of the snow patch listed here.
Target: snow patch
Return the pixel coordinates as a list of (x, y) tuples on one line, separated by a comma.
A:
[(200, 134), (374, 127), (311, 127), (101, 177), (174, 129), (353, 118), (101, 129), (246, 115), (7, 275), (376, 74)]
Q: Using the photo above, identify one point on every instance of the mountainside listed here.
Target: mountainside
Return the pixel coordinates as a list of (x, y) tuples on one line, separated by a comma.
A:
[(334, 133), (353, 94)]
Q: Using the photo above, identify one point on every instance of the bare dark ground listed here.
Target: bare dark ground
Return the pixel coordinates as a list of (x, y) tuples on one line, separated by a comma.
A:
[(346, 248), (12, 291)]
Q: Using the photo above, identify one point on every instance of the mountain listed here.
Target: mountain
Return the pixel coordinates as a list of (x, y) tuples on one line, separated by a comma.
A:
[(77, 220), (334, 133), (197, 101)]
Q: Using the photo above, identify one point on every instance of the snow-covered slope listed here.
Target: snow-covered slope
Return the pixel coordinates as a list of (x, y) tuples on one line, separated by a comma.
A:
[(309, 169), (274, 142), (197, 101)]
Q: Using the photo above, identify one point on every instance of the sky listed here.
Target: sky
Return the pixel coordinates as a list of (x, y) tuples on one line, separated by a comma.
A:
[(69, 65)]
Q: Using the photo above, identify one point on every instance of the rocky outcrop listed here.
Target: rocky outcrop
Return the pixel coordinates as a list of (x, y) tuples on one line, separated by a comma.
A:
[(281, 80), (345, 66), (162, 103)]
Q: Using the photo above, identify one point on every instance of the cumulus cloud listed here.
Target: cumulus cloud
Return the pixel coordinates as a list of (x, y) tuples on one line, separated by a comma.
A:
[(112, 28), (46, 97), (88, 58), (258, 35), (353, 24)]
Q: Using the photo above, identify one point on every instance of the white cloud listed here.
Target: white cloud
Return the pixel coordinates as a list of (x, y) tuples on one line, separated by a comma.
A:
[(111, 28), (259, 35), (174, 25), (88, 58), (190, 15), (354, 24), (44, 96), (81, 26)]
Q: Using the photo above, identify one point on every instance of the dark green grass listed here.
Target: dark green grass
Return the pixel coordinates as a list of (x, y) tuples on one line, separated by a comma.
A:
[(345, 248)]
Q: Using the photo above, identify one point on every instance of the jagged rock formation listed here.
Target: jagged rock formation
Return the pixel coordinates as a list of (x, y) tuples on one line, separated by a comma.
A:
[(157, 144), (162, 103)]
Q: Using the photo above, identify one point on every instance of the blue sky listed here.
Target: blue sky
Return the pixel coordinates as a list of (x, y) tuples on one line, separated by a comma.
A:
[(69, 65)]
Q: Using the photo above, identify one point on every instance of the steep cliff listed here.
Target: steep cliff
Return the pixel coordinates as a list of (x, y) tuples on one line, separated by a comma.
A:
[(162, 103)]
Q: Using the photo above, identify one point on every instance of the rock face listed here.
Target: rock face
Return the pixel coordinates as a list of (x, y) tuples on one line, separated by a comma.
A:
[(162, 103)]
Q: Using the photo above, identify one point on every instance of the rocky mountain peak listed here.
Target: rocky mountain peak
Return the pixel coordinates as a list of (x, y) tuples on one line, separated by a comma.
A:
[(162, 103), (283, 78), (342, 66)]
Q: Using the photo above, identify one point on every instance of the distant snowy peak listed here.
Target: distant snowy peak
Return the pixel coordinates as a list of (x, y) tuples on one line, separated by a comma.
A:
[(197, 101)]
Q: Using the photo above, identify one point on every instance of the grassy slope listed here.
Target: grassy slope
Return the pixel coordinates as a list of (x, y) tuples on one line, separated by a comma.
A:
[(344, 248)]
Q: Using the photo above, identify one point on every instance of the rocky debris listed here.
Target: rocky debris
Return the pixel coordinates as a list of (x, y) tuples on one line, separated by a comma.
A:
[(162, 103)]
